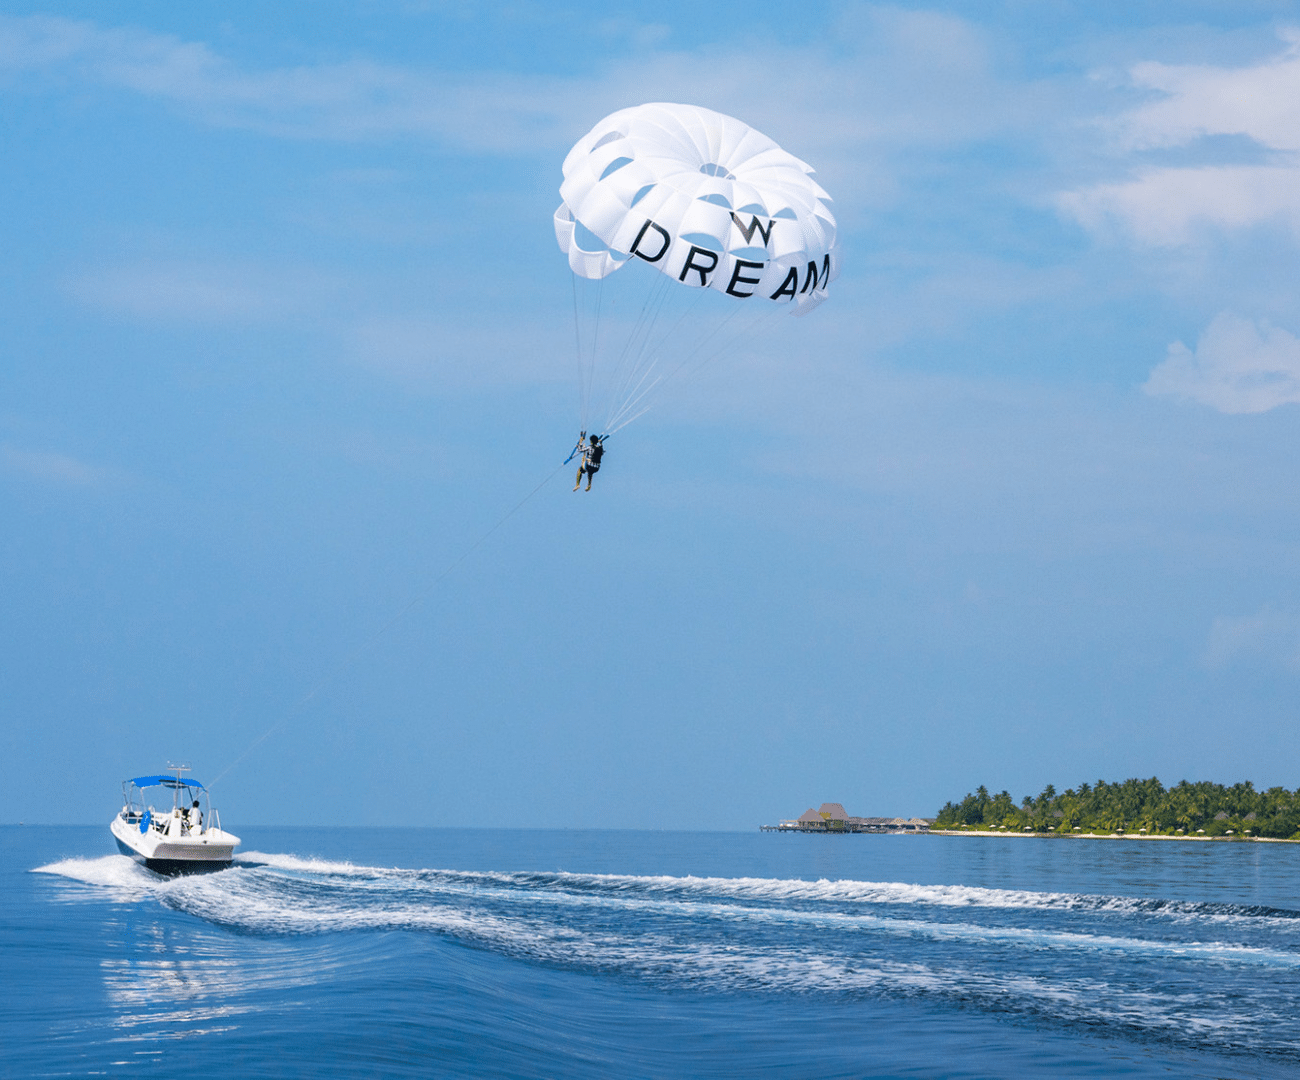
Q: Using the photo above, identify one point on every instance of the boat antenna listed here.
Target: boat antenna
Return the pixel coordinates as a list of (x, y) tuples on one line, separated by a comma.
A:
[(177, 769)]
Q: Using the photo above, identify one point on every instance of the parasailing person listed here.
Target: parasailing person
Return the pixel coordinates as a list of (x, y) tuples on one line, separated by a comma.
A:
[(592, 452)]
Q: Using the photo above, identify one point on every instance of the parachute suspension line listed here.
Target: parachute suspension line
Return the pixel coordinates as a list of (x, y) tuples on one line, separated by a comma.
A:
[(624, 422), (587, 305), (577, 355), (625, 367), (633, 398), (647, 357), (632, 365), (728, 340), (595, 348), (351, 658), (629, 398), (727, 344)]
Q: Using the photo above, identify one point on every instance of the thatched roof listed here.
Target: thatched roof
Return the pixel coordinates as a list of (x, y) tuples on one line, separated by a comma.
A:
[(833, 811), (811, 817)]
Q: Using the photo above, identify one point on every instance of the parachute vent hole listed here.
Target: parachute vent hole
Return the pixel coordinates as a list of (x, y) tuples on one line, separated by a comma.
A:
[(710, 168), (615, 165), (717, 200), (586, 239), (642, 193), (606, 139), (787, 214), (753, 208), (703, 240)]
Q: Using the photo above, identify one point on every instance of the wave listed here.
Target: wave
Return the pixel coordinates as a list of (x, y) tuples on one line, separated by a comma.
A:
[(119, 871), (115, 872), (874, 892), (1177, 967), (126, 875), (781, 890)]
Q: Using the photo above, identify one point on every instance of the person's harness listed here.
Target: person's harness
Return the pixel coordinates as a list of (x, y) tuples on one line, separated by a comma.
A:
[(592, 453)]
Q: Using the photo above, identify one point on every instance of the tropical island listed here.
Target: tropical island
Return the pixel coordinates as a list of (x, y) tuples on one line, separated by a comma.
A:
[(1133, 807)]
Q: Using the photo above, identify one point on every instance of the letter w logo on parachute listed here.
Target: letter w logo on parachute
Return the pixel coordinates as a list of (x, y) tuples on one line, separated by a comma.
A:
[(754, 226)]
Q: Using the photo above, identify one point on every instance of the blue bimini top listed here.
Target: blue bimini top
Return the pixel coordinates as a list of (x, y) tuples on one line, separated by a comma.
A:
[(166, 781)]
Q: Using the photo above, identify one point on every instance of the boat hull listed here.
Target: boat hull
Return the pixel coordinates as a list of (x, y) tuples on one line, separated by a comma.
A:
[(211, 850), (172, 867)]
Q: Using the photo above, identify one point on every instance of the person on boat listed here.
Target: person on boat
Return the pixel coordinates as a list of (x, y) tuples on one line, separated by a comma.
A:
[(590, 464), (196, 818)]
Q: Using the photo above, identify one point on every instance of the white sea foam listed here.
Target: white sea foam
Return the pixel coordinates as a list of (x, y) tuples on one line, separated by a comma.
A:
[(892, 892), (123, 875), (490, 909), (781, 890), (747, 934), (254, 859), (692, 908)]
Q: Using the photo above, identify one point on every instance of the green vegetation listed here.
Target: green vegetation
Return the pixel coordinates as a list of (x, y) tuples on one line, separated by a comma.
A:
[(1134, 806)]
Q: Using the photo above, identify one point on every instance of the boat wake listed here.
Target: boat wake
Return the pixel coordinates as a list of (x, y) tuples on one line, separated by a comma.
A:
[(1220, 974)]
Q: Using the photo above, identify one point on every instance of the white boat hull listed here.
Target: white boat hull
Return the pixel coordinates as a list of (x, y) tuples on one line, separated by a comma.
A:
[(170, 851)]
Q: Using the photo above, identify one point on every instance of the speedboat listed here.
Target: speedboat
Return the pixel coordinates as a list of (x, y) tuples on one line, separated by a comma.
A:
[(183, 838)]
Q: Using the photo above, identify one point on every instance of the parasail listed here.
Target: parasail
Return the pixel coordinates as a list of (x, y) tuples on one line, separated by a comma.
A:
[(707, 202)]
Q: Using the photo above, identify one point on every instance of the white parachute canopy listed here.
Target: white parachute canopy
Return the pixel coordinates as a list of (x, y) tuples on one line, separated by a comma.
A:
[(703, 197), (708, 202)]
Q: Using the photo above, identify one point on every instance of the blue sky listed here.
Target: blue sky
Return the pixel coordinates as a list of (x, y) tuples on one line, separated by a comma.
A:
[(286, 332)]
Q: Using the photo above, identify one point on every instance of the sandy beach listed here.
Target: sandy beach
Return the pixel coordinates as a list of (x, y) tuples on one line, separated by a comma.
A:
[(1109, 836)]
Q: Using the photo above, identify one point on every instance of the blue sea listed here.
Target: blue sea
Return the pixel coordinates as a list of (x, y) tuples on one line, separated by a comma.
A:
[(363, 952)]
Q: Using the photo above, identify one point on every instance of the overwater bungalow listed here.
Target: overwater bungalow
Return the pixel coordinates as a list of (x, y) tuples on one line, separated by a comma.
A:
[(832, 817)]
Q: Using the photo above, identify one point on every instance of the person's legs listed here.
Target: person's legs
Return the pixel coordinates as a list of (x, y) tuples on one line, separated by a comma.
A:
[(578, 481)]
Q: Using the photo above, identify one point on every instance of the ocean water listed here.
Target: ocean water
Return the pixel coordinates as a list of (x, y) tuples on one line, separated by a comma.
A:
[(429, 952)]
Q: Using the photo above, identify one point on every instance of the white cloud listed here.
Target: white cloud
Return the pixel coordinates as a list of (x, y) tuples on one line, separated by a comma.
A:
[(1165, 207), (1268, 635), (1237, 367), (893, 77), (1261, 102), (352, 100), (1170, 205)]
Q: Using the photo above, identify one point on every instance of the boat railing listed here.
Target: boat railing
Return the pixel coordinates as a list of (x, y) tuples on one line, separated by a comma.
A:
[(135, 806)]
